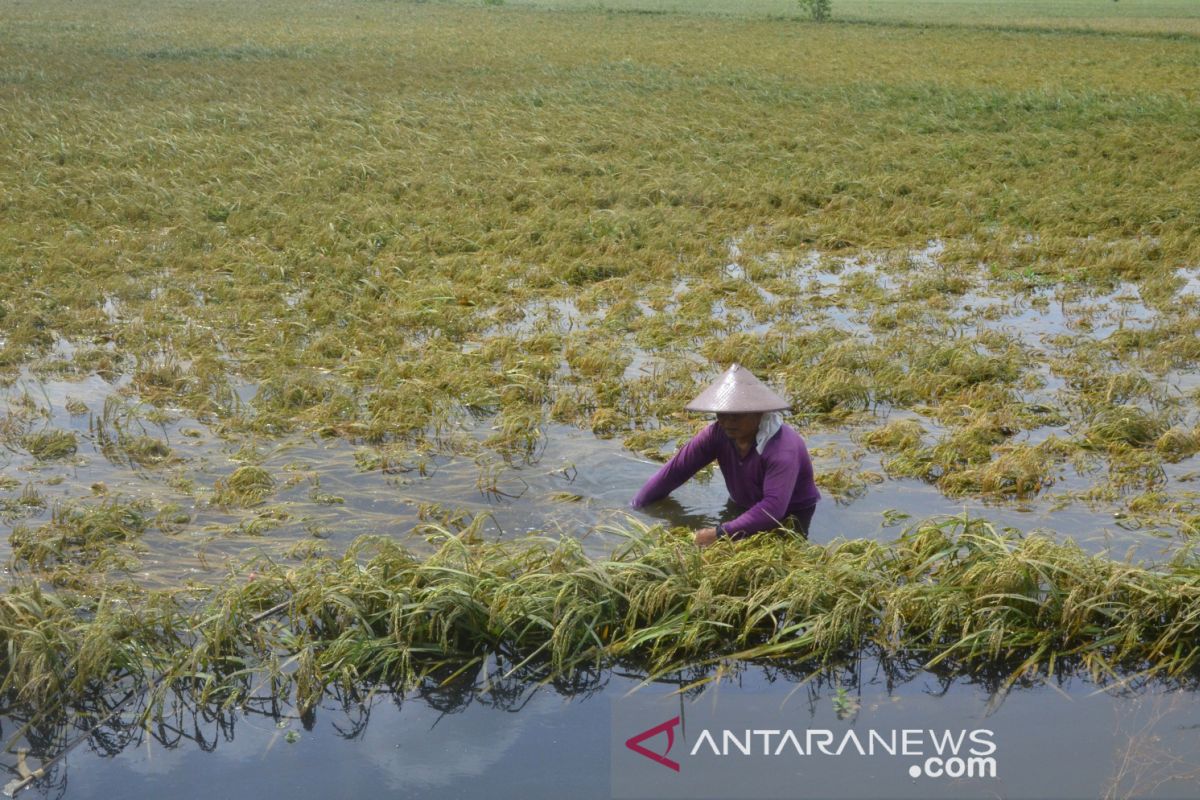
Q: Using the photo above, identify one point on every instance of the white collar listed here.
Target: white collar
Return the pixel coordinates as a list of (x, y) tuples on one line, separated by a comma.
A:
[(770, 424)]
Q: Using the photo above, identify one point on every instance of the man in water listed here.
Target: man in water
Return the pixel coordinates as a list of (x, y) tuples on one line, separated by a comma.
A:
[(765, 463)]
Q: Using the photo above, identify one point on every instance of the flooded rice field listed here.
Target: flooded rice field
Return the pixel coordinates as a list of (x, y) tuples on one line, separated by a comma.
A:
[(1030, 455), (335, 343), (176, 501)]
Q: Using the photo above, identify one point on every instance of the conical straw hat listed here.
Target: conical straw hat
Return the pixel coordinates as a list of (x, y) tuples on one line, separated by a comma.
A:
[(737, 391)]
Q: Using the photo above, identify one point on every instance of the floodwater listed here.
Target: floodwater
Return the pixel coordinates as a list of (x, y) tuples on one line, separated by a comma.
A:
[(519, 738), (490, 737), (572, 484), (575, 484)]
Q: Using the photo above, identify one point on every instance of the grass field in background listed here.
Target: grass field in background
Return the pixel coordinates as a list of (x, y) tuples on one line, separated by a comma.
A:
[(1123, 16)]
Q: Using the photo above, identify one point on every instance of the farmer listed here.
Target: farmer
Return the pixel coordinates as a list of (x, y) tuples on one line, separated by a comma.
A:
[(764, 462)]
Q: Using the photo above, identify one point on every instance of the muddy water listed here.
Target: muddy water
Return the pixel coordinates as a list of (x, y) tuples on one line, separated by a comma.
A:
[(1064, 739)]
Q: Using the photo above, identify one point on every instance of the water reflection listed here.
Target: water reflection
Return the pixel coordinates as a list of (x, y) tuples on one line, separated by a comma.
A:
[(466, 735), (672, 512)]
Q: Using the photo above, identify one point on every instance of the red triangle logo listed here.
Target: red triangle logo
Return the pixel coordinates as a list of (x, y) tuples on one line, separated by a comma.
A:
[(634, 743)]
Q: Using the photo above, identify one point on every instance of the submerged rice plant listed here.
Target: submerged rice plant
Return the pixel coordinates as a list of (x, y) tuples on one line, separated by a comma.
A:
[(1124, 425), (954, 592), (1177, 443), (1019, 470), (78, 534), (50, 445), (29, 502), (895, 436), (247, 486)]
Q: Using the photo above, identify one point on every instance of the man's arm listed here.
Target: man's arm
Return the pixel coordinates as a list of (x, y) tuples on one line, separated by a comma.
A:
[(690, 459)]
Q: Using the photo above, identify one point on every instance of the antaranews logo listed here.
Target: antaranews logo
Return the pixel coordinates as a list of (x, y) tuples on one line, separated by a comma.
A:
[(711, 750), (951, 754), (634, 743)]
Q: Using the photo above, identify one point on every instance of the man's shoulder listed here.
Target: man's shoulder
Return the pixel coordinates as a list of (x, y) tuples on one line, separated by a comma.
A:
[(785, 440), (708, 438)]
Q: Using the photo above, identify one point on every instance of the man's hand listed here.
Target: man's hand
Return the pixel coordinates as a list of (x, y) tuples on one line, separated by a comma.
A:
[(705, 536)]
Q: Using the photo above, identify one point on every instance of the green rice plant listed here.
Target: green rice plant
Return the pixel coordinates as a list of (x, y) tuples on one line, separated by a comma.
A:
[(670, 604), (121, 437), (1178, 348), (895, 436), (844, 706), (403, 411), (449, 519), (971, 444), (247, 486), (937, 285), (292, 392), (941, 369), (1132, 468), (13, 428), (598, 359), (517, 432), (392, 460), (607, 422), (37, 628), (835, 392), (326, 498), (650, 443), (78, 534), (264, 520), (1176, 443), (76, 407), (845, 484), (995, 399), (104, 363), (760, 354), (1018, 470), (145, 451), (50, 445), (160, 380), (952, 592), (26, 504), (1098, 392), (914, 462), (1149, 502), (1124, 425), (171, 518)]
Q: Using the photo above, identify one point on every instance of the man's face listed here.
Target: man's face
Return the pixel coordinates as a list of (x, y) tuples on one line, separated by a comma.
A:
[(740, 426)]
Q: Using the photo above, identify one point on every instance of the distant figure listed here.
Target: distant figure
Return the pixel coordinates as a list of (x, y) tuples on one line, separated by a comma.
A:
[(765, 463)]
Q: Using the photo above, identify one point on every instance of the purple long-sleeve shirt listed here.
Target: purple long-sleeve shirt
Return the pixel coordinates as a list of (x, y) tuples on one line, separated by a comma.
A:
[(769, 486)]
